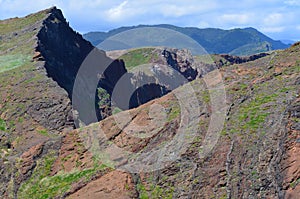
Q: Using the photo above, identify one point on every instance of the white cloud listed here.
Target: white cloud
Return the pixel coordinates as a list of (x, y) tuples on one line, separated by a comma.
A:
[(118, 12), (273, 29), (175, 11), (292, 2), (178, 9), (240, 19), (274, 19)]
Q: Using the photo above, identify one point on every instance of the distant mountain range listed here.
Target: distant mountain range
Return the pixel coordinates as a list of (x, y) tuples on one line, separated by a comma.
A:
[(245, 41)]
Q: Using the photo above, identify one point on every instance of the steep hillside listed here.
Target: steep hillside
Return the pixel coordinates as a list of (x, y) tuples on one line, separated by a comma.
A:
[(30, 101), (255, 156), (40, 56), (33, 107), (171, 147), (246, 41), (39, 59)]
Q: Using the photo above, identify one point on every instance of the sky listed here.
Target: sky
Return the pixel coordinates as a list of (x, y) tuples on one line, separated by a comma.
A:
[(279, 19)]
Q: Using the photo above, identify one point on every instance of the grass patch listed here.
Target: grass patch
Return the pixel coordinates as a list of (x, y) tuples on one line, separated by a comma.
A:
[(8, 62), (138, 57), (155, 192), (42, 186), (210, 59), (253, 115), (2, 125), (116, 110), (43, 132), (205, 95), (295, 183), (174, 113), (16, 24)]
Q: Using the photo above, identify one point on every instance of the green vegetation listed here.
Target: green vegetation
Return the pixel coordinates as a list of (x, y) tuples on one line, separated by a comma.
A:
[(2, 125), (205, 95), (138, 57), (292, 70), (15, 37), (174, 113), (17, 24), (43, 132), (210, 59), (30, 188), (223, 197), (42, 186), (295, 183), (104, 97), (57, 185), (155, 192), (253, 114), (12, 61), (116, 110)]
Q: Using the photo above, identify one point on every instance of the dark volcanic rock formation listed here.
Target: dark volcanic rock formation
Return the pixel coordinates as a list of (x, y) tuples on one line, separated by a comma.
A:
[(181, 60), (239, 60), (62, 49)]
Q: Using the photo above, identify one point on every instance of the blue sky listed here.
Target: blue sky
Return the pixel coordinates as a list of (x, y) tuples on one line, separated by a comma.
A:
[(278, 19)]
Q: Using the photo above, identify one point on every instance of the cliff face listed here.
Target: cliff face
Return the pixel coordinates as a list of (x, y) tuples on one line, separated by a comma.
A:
[(64, 52), (62, 49)]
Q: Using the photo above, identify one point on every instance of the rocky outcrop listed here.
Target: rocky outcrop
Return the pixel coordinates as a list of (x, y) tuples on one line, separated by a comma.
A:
[(62, 49), (27, 158), (116, 184), (239, 60), (181, 61), (290, 163), (168, 69)]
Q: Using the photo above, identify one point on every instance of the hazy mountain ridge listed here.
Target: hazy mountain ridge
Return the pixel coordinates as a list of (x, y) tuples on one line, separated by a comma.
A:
[(245, 41)]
